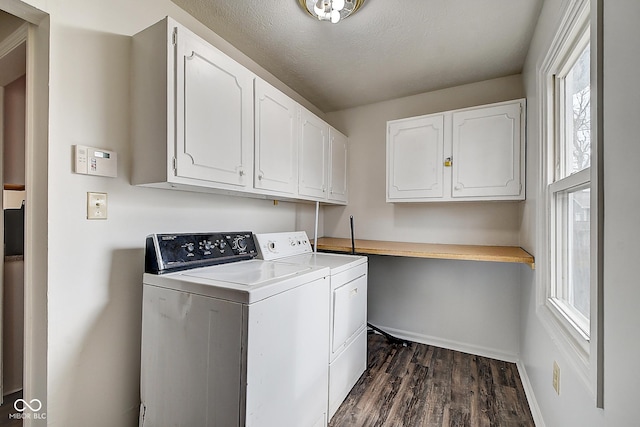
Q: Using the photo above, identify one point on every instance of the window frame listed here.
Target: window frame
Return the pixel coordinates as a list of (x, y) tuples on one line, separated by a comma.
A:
[(579, 23), (562, 181)]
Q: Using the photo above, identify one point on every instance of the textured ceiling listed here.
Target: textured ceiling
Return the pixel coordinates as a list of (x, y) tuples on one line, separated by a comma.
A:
[(389, 49)]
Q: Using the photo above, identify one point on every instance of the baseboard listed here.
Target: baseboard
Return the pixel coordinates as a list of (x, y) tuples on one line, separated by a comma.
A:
[(452, 345), (531, 397), (7, 392)]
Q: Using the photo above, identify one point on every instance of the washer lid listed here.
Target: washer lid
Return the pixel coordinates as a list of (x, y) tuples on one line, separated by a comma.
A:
[(247, 273), (244, 282)]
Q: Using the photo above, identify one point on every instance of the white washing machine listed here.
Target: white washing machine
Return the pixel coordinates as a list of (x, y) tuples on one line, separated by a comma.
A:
[(242, 342), (348, 306)]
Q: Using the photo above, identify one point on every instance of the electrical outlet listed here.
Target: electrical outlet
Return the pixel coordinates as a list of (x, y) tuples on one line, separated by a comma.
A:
[(96, 205), (556, 377)]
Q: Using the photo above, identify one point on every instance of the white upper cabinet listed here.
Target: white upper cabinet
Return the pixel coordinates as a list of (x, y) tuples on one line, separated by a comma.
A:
[(214, 108), (192, 112), (464, 155), (338, 158), (314, 156), (276, 140), (203, 122), (415, 158), (487, 152)]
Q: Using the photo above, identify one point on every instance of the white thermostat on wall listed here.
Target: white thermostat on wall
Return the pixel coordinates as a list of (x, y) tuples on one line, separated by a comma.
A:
[(95, 161)]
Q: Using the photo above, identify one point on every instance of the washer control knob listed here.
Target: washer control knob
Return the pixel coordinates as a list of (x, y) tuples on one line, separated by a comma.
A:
[(239, 244), (190, 247)]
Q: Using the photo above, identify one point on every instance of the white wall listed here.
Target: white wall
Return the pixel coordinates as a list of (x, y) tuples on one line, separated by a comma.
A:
[(576, 404), (466, 223), (466, 305), (461, 305), (95, 267), (14, 128)]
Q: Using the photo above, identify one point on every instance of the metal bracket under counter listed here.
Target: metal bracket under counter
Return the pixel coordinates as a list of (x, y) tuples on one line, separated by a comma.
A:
[(513, 254)]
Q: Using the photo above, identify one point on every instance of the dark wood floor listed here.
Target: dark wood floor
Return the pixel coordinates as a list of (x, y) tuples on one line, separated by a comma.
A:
[(7, 408), (419, 385), (422, 385)]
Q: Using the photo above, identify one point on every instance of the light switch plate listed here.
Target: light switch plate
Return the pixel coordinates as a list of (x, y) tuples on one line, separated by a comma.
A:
[(96, 205)]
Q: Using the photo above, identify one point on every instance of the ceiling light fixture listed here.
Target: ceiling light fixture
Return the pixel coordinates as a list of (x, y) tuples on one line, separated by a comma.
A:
[(331, 10)]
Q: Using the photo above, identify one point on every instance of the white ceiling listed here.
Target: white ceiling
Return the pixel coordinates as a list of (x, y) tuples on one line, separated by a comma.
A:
[(388, 49)]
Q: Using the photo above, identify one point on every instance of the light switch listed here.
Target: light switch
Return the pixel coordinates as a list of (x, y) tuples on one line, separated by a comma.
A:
[(96, 205)]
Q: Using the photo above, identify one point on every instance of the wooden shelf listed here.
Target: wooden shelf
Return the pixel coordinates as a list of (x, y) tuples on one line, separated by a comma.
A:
[(430, 250), (14, 187)]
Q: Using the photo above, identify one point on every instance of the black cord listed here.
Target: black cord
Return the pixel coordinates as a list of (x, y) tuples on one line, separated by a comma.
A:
[(389, 337)]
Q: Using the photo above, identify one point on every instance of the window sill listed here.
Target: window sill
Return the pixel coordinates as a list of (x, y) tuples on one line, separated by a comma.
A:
[(572, 345)]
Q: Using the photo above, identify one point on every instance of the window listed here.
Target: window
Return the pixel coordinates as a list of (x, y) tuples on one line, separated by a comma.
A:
[(569, 277), (569, 228), (569, 190)]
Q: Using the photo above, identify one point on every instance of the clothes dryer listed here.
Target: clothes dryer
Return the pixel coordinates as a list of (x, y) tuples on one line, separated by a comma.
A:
[(348, 305)]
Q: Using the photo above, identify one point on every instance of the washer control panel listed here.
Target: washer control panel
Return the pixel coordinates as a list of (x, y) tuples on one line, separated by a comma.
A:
[(273, 246), (173, 252)]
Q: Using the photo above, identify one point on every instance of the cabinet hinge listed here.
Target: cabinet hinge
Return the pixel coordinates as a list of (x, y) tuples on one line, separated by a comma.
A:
[(174, 37)]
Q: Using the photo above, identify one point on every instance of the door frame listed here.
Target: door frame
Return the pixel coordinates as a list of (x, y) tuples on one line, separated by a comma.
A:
[(37, 31)]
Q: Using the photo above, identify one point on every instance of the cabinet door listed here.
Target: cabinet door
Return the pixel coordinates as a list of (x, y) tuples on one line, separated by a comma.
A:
[(314, 144), (337, 166), (487, 144), (415, 158), (276, 143), (214, 114)]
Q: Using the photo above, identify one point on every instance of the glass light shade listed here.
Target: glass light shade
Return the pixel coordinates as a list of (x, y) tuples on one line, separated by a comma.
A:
[(322, 9), (319, 8), (335, 16)]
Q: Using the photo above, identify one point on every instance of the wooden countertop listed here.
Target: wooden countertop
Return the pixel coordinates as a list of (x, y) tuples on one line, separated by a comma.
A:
[(429, 250)]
